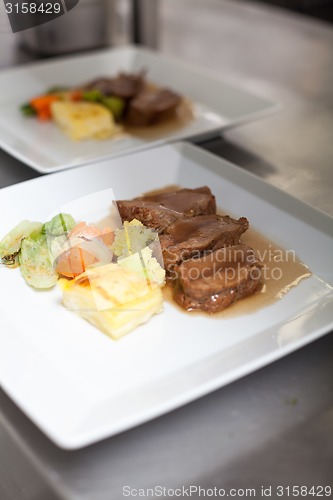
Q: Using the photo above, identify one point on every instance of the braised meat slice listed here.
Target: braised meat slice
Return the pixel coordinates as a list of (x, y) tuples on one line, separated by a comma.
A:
[(127, 85), (151, 106), (158, 211), (124, 85), (192, 237), (216, 280), (102, 84)]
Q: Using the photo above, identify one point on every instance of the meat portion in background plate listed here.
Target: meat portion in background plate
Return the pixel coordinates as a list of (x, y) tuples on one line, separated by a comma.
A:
[(124, 85), (152, 106)]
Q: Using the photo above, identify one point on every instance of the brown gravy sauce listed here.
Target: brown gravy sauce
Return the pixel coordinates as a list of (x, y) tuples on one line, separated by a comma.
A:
[(167, 189), (174, 203), (183, 116), (282, 271), (185, 230)]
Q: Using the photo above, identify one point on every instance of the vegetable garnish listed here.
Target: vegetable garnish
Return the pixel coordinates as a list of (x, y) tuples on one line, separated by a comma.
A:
[(88, 245), (59, 225), (132, 238), (115, 105), (42, 105), (113, 298), (33, 246), (112, 280), (35, 262), (76, 95), (93, 95), (28, 110), (10, 245)]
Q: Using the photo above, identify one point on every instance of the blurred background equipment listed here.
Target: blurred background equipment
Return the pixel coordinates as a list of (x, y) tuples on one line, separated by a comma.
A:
[(85, 27), (323, 9), (95, 24)]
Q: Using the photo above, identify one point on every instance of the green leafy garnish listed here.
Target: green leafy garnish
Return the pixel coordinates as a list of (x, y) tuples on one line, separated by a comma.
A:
[(132, 238), (93, 95), (10, 245), (59, 225), (28, 110), (35, 262), (116, 105)]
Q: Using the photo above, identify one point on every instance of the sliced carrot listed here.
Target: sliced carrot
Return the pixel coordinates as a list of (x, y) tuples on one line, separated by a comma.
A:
[(90, 231), (77, 230), (107, 236), (44, 114), (42, 105), (74, 262), (76, 259), (43, 101), (76, 95)]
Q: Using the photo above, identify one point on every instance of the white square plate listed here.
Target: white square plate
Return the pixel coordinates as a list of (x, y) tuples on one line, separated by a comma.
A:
[(79, 386), (42, 146)]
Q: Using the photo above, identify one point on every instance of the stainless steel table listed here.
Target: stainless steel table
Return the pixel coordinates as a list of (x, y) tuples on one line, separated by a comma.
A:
[(274, 427)]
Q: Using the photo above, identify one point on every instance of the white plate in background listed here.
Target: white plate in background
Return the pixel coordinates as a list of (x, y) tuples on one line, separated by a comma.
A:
[(78, 385), (217, 105)]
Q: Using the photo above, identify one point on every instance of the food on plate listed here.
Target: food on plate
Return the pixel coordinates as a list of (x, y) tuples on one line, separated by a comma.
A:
[(189, 238), (40, 106), (218, 279), (86, 245), (104, 107), (134, 245), (89, 231), (145, 264), (31, 245), (111, 278), (133, 237), (151, 106), (116, 296), (38, 253), (10, 245), (83, 120), (206, 265), (160, 210), (59, 225), (113, 298), (57, 247), (145, 104), (124, 85), (35, 262), (74, 261)]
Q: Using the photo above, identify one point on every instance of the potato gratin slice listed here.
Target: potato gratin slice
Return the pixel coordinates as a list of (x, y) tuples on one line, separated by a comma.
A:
[(83, 120), (113, 298)]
